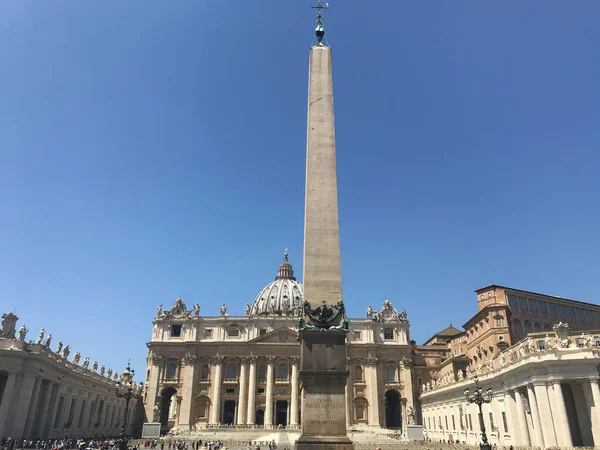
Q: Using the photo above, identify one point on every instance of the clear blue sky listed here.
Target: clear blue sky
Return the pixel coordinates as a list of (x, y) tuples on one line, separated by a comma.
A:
[(155, 149)]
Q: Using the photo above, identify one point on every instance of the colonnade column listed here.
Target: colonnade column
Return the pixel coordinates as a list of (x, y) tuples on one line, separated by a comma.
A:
[(371, 363), (22, 406), (524, 438), (535, 416), (40, 426), (242, 410), (294, 399), (510, 406), (251, 391), (6, 401), (269, 399), (559, 415), (591, 392), (215, 410), (33, 406), (541, 395)]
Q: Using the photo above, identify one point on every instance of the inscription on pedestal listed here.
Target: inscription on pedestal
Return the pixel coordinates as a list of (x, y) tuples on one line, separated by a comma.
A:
[(324, 414)]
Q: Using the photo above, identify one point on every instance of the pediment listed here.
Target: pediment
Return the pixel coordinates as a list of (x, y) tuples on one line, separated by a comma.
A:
[(282, 335)]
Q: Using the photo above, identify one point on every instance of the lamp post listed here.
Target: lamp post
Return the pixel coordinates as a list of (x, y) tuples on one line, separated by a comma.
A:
[(126, 388), (479, 398)]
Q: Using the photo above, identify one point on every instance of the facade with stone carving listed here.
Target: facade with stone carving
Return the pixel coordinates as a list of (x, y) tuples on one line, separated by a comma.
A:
[(45, 394), (242, 370), (543, 372)]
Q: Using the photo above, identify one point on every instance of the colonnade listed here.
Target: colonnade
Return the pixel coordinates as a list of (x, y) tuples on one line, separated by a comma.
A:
[(542, 413), (32, 406), (246, 410)]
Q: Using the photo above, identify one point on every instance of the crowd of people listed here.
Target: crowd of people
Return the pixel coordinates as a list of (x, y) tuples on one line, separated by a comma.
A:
[(62, 444)]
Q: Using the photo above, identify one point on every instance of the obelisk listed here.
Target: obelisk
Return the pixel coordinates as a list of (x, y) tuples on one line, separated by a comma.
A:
[(322, 326)]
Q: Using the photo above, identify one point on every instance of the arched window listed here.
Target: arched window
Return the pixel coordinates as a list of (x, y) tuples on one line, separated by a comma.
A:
[(205, 372), (537, 327), (282, 372), (358, 373), (518, 328), (231, 372), (528, 328), (171, 371)]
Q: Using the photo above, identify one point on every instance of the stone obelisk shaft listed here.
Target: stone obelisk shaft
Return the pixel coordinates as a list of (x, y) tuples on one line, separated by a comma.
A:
[(322, 277)]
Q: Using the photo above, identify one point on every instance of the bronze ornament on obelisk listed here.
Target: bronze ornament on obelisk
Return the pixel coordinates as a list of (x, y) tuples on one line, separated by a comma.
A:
[(322, 324)]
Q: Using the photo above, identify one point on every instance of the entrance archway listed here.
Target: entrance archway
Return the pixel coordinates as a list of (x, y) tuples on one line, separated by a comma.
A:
[(281, 410), (393, 417), (229, 412), (167, 408), (260, 417)]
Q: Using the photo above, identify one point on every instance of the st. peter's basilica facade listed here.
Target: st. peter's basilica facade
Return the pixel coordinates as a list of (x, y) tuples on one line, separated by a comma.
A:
[(242, 370)]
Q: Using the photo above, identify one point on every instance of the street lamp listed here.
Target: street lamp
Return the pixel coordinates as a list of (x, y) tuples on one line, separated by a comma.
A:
[(479, 398), (126, 388)]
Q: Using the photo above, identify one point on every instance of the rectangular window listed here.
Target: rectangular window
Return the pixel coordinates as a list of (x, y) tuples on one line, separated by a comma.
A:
[(571, 313), (390, 372), (500, 338), (388, 334), (589, 317), (552, 310), (419, 381), (562, 312), (360, 413), (533, 307), (175, 330), (208, 333), (540, 344), (504, 422), (233, 333), (357, 335), (491, 421), (261, 390), (263, 331), (543, 307), (261, 373), (230, 391), (512, 303), (523, 305)]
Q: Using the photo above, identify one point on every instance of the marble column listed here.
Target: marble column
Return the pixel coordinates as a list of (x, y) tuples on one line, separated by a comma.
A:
[(373, 388), (251, 392), (33, 407), (215, 411), (6, 408), (524, 438), (22, 406), (242, 409), (535, 416), (511, 416), (269, 396), (187, 393), (294, 395), (541, 395), (39, 428), (559, 415), (153, 379), (591, 392)]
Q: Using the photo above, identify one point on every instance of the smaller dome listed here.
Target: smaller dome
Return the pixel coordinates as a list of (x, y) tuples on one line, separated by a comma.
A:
[(280, 297)]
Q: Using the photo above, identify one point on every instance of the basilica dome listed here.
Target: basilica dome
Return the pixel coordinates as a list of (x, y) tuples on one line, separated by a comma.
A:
[(281, 297)]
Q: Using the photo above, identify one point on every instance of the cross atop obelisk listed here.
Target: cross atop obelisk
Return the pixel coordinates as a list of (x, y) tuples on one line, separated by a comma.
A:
[(320, 31)]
